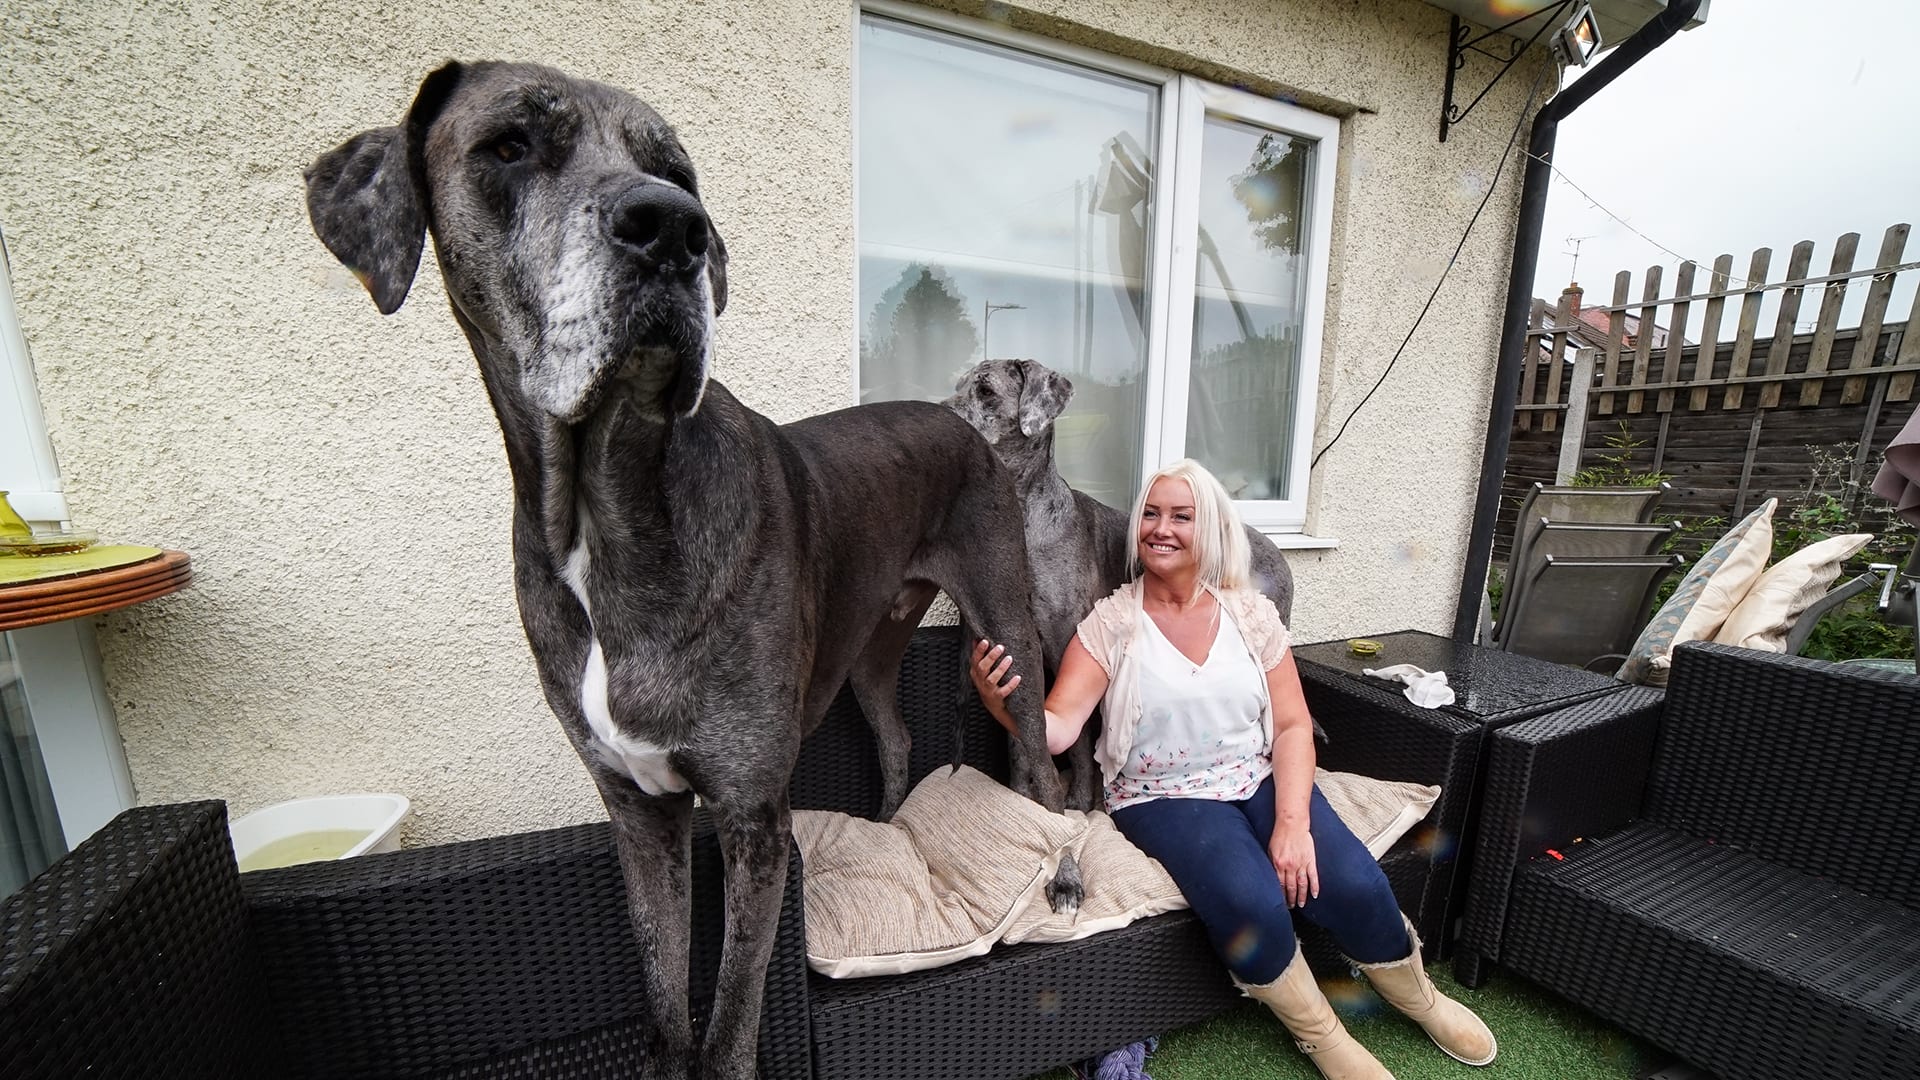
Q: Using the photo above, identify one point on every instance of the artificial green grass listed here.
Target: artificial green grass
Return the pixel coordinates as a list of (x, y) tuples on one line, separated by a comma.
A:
[(1541, 1038)]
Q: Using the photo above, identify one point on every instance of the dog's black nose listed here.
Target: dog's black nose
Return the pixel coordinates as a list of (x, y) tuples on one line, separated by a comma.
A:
[(664, 225)]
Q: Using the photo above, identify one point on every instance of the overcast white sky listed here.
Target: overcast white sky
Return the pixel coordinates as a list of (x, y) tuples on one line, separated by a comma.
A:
[(1775, 122)]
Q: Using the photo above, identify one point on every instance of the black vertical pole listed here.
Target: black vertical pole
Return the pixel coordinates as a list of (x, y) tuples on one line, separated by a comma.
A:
[(1526, 255)]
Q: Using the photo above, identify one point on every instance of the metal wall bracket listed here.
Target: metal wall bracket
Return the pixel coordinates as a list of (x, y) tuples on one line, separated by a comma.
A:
[(1460, 41)]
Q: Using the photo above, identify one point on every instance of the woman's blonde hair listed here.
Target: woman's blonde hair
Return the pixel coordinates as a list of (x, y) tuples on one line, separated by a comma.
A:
[(1219, 541)]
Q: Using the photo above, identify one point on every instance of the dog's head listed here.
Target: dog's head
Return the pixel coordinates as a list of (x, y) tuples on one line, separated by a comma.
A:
[(1011, 403), (567, 222)]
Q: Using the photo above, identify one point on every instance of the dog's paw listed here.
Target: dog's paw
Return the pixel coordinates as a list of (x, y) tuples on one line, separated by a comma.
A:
[(1066, 890)]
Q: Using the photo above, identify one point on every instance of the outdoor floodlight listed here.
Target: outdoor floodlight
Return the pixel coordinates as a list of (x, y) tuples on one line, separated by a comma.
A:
[(1576, 42)]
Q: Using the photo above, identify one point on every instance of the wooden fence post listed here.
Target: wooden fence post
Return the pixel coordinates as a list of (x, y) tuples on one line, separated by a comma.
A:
[(1573, 436), (1676, 340), (1901, 388), (1833, 294), (1643, 340), (1616, 331), (1562, 321), (1866, 343), (1709, 352), (1749, 322), (1783, 327), (1536, 322)]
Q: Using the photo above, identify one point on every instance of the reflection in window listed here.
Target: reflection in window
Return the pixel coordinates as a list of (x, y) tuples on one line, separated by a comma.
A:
[(1013, 205), (1247, 306), (30, 836), (1004, 213)]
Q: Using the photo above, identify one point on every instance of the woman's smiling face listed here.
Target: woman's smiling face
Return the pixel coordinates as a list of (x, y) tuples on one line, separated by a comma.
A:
[(1166, 529)]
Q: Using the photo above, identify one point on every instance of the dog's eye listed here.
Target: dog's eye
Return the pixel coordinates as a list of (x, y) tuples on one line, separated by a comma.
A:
[(509, 149)]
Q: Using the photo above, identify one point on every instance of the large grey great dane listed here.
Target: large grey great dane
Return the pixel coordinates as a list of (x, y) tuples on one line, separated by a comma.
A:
[(695, 581), (1077, 545)]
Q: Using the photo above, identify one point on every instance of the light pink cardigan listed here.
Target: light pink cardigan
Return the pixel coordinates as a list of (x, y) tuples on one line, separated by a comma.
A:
[(1116, 625)]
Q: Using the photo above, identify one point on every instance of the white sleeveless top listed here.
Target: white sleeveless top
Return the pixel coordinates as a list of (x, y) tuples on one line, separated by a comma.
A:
[(1201, 734)]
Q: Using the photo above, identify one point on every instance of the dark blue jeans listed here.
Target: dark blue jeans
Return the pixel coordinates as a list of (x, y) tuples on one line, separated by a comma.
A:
[(1217, 854)]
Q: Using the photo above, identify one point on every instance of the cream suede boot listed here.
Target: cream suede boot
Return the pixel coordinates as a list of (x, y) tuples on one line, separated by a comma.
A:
[(1452, 1026), (1296, 999)]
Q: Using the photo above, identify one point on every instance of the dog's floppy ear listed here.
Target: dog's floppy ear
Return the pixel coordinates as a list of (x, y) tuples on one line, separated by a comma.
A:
[(717, 269), (1044, 394), (367, 197)]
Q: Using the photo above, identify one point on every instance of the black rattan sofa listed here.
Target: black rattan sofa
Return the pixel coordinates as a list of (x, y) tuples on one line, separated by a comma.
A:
[(143, 953), (1731, 871)]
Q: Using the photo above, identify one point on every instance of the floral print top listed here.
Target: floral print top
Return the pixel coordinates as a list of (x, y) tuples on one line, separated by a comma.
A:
[(1200, 734)]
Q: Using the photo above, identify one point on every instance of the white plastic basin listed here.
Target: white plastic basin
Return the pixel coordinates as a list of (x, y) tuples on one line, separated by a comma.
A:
[(318, 828)]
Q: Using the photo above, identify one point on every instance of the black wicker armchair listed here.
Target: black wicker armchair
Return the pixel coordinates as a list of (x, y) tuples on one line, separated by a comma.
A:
[(1730, 871), (144, 952)]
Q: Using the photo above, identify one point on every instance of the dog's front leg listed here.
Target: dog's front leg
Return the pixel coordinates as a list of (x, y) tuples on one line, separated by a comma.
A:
[(653, 837), (755, 832)]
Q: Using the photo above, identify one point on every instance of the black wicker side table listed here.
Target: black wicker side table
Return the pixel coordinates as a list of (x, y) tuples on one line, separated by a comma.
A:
[(1492, 689)]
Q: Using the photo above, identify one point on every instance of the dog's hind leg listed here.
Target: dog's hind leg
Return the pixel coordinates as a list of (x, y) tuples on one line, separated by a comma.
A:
[(876, 684), (652, 835)]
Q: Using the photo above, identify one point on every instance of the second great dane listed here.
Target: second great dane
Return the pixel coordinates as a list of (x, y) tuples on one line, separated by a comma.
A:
[(695, 581), (1078, 546)]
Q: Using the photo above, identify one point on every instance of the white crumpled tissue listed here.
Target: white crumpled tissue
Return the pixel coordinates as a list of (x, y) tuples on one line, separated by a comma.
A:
[(1427, 689)]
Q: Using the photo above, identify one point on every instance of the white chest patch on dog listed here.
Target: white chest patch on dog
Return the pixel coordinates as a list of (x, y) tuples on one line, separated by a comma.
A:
[(645, 762)]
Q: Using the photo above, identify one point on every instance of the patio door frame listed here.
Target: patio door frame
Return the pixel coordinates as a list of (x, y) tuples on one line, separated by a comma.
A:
[(58, 663)]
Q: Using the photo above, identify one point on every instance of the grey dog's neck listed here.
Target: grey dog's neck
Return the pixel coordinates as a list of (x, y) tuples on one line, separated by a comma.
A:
[(1035, 476), (628, 489)]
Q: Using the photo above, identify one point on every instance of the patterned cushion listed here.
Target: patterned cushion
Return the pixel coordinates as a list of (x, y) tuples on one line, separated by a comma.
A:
[(1704, 598), (964, 864), (1773, 605)]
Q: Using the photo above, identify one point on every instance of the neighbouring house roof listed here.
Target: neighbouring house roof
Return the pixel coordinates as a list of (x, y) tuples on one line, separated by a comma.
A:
[(1590, 326)]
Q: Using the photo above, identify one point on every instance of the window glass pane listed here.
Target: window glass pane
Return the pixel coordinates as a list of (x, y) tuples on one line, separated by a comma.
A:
[(1004, 212), (1248, 305), (30, 836)]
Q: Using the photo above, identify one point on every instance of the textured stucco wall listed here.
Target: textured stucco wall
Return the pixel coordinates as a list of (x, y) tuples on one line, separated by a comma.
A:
[(214, 382)]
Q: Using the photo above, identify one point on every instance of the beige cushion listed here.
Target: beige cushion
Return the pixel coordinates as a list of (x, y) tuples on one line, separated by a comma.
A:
[(1704, 598), (1378, 811), (965, 864), (1789, 587)]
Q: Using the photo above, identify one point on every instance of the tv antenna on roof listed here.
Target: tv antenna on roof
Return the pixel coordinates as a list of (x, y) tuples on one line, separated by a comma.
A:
[(1574, 274)]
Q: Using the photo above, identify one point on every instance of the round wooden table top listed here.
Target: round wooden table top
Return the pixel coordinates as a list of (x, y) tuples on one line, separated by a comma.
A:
[(93, 592)]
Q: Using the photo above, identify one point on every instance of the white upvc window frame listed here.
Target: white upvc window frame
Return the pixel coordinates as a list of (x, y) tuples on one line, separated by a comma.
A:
[(1198, 100), (58, 664), (1184, 104), (28, 472)]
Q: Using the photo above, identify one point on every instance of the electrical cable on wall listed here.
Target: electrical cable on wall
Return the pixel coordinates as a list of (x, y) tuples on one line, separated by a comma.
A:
[(1499, 169)]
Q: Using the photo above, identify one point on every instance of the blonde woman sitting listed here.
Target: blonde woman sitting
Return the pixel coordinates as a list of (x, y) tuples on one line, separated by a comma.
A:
[(1207, 755)]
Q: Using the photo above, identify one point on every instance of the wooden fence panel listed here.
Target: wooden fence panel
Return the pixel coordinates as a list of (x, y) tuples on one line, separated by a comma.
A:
[(1749, 323), (1616, 333), (1536, 319), (1563, 320), (1836, 386), (1865, 347), (1833, 297), (1901, 388), (1643, 340), (1797, 264), (1676, 337), (1710, 329)]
